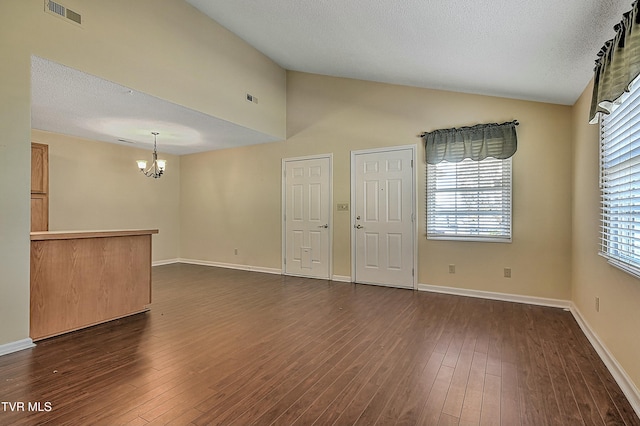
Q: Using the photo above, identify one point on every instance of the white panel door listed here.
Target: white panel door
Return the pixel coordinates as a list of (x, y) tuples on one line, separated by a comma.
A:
[(307, 186), (384, 206)]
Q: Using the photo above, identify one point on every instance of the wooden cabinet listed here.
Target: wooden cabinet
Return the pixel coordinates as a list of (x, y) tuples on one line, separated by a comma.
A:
[(39, 187), (79, 279), (39, 212)]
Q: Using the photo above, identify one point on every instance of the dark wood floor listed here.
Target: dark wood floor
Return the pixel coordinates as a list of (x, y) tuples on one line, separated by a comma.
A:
[(231, 347)]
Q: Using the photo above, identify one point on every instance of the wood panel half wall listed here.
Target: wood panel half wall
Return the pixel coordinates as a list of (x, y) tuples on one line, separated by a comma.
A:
[(79, 279)]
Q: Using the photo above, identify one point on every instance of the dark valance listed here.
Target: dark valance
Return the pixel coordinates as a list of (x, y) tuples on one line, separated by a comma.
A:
[(618, 64), (475, 142)]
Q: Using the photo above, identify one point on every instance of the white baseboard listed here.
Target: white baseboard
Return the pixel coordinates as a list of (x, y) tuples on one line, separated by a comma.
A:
[(16, 346), (250, 268), (165, 262), (621, 377), (276, 271), (530, 300), (341, 278)]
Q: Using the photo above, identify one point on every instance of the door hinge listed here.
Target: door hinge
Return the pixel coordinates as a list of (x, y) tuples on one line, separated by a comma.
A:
[(413, 272), (412, 164)]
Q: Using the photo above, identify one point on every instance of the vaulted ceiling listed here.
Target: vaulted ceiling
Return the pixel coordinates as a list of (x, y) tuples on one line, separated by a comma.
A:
[(540, 51)]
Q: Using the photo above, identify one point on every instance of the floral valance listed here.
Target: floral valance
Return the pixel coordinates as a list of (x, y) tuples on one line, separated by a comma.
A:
[(618, 64), (475, 142)]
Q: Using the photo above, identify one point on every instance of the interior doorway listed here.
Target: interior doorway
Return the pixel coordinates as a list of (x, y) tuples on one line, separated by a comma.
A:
[(383, 223), (307, 220)]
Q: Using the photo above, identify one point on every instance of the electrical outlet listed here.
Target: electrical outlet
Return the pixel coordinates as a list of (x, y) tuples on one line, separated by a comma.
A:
[(452, 269), (597, 304), (507, 272), (235, 251)]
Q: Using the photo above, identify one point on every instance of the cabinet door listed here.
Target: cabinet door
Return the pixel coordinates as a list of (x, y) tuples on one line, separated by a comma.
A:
[(39, 187), (39, 168), (39, 212)]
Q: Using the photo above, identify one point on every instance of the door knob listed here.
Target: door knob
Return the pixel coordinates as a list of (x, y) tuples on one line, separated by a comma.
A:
[(323, 226), (358, 226)]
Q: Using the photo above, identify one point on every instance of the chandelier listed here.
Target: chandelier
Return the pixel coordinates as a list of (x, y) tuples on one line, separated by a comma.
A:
[(156, 168)]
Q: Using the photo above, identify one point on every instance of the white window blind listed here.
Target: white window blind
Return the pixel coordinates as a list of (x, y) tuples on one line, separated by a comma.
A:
[(469, 200), (620, 183)]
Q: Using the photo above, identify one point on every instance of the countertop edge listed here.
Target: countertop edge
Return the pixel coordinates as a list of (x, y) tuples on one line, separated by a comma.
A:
[(71, 235)]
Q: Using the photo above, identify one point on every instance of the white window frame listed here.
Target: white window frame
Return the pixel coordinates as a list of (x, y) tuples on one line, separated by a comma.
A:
[(458, 230), (620, 183)]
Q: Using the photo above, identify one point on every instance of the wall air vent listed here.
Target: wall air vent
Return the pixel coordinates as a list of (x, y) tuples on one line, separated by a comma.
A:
[(56, 8), (59, 10), (75, 17)]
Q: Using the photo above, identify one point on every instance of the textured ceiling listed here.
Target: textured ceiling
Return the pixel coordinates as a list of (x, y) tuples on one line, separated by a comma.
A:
[(541, 50), (68, 101)]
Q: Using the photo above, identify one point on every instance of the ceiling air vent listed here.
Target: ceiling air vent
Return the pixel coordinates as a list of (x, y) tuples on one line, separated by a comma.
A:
[(59, 10)]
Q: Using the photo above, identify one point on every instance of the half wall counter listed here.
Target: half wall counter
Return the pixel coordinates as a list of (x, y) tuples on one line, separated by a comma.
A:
[(84, 278)]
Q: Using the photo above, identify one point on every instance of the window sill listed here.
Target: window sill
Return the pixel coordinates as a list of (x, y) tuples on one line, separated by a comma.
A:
[(625, 267), (468, 239)]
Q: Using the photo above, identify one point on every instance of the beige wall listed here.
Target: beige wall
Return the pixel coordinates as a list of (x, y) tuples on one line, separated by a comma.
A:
[(232, 198), (617, 324), (14, 191), (165, 48), (97, 185)]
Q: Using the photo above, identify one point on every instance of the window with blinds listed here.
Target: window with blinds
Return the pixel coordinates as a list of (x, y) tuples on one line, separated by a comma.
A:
[(620, 183), (469, 200)]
